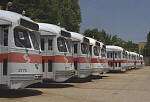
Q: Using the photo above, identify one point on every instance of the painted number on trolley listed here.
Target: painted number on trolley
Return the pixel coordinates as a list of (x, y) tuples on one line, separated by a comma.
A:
[(22, 70)]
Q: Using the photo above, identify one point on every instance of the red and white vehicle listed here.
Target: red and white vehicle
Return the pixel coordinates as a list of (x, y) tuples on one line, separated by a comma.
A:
[(138, 61), (132, 60), (126, 55), (96, 61), (141, 60), (104, 58), (81, 55), (116, 61), (20, 61), (56, 46)]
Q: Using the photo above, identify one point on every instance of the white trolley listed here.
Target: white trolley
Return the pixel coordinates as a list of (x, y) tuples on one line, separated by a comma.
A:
[(104, 58), (95, 54), (56, 46), (116, 61), (81, 55), (20, 60)]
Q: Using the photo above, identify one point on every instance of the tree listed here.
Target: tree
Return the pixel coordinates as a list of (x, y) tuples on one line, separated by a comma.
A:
[(94, 33), (146, 49), (4, 3), (65, 13), (110, 40)]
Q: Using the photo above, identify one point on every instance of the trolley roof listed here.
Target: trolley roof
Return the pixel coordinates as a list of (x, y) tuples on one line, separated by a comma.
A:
[(133, 53), (9, 18), (53, 29), (127, 52), (92, 41), (141, 55), (113, 48), (102, 45), (77, 36), (12, 16)]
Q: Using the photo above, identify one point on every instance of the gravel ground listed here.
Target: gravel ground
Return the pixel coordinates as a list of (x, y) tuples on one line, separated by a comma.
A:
[(132, 86)]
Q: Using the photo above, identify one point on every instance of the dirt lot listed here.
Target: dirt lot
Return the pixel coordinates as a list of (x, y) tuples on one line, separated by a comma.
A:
[(132, 86)]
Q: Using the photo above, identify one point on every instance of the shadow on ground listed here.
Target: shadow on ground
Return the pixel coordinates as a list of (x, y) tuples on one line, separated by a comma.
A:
[(103, 76), (78, 80), (50, 85), (123, 72), (117, 72), (97, 77), (10, 93)]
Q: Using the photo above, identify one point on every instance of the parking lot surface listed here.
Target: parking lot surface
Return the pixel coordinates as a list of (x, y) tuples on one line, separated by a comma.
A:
[(131, 86)]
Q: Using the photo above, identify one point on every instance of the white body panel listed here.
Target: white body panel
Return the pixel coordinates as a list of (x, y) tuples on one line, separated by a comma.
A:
[(82, 60), (116, 62), (96, 64), (60, 67), (20, 66)]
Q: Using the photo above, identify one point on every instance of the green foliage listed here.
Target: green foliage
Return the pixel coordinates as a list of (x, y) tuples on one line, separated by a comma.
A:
[(111, 40), (130, 46), (100, 36), (65, 13), (4, 3), (146, 49)]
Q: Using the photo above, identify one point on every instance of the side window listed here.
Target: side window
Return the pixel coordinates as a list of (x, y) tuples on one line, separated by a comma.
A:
[(75, 48), (50, 44), (5, 62), (75, 65), (119, 64), (49, 66), (115, 64), (43, 65), (111, 55), (119, 55), (90, 49), (115, 55), (6, 36), (42, 44), (108, 55)]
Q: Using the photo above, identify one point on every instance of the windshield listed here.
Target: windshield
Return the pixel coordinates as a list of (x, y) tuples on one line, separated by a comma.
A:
[(21, 37), (84, 48), (69, 45), (103, 52), (61, 43), (34, 39), (96, 51)]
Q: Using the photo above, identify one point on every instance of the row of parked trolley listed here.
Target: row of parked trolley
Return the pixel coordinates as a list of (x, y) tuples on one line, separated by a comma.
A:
[(31, 52)]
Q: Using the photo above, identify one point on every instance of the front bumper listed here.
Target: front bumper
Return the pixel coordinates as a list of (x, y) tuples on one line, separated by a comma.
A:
[(83, 73), (18, 81), (62, 76)]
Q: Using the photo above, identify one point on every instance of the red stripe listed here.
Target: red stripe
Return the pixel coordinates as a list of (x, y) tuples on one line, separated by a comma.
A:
[(82, 60), (19, 58), (122, 61), (58, 59), (90, 60)]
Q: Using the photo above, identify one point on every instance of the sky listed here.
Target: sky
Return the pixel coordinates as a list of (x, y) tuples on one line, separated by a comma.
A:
[(129, 19)]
